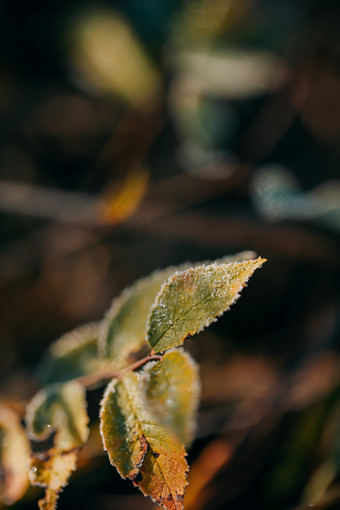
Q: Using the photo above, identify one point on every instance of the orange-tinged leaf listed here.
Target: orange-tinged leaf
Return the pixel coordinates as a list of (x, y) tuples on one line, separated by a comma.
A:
[(51, 470), (163, 479), (192, 299), (139, 446), (109, 58), (49, 501), (14, 457), (119, 205)]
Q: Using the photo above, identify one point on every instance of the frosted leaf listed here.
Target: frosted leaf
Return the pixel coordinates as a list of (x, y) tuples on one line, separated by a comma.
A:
[(139, 446), (191, 300)]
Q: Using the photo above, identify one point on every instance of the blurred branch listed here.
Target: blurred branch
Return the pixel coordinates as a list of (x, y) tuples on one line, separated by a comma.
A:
[(286, 241), (181, 191), (47, 203)]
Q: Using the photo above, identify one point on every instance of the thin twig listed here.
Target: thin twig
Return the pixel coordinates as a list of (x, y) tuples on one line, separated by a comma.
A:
[(102, 375)]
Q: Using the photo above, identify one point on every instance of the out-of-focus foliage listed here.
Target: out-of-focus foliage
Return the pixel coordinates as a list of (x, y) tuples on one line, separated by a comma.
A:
[(145, 419), (75, 354), (109, 58), (212, 126), (60, 409), (14, 457)]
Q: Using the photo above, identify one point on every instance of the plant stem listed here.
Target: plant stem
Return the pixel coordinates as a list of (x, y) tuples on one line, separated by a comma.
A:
[(104, 374)]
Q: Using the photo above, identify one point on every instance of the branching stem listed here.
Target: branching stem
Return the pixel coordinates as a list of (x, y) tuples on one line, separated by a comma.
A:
[(102, 375)]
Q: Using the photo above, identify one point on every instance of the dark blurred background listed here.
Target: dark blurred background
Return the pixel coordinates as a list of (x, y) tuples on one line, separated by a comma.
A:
[(140, 134)]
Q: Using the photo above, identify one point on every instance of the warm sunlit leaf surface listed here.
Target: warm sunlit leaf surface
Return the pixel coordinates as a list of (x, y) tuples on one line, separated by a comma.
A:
[(74, 355), (59, 408), (238, 257), (172, 388), (139, 447), (14, 457), (123, 329), (192, 299)]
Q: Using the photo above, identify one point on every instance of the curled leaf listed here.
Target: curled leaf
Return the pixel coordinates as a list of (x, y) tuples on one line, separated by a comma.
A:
[(139, 447), (172, 388), (192, 299), (74, 355), (60, 409), (14, 457)]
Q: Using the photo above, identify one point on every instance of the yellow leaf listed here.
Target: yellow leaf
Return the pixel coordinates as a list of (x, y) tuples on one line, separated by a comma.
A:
[(14, 457), (51, 470), (59, 408), (109, 58)]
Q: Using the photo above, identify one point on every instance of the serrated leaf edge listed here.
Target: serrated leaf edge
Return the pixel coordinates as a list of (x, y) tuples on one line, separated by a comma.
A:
[(109, 388), (237, 295)]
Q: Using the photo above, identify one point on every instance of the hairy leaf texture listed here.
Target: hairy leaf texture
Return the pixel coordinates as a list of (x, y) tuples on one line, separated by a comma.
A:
[(123, 330), (190, 300)]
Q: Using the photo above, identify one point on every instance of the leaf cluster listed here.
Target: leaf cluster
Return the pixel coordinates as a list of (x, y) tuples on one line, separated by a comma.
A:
[(147, 414)]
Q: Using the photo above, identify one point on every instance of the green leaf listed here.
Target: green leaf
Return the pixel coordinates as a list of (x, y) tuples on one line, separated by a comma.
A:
[(227, 259), (138, 446), (123, 331), (172, 388), (190, 300), (60, 409), (74, 355), (14, 457)]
